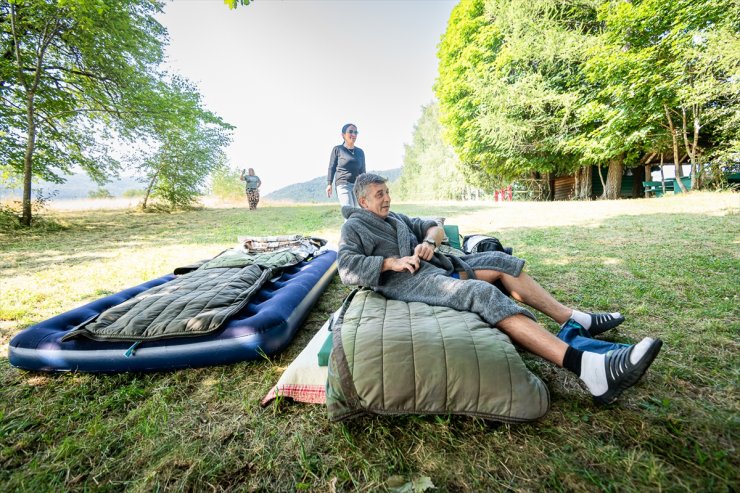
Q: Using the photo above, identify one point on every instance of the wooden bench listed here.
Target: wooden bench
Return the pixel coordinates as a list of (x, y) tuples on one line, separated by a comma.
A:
[(655, 188)]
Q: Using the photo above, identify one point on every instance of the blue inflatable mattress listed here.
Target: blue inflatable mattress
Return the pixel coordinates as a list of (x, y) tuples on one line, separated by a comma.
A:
[(265, 326)]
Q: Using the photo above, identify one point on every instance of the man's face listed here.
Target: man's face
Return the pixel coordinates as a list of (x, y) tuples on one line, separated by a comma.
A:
[(377, 199)]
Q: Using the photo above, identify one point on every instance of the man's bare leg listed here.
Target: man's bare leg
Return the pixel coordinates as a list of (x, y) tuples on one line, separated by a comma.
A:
[(534, 338), (528, 291)]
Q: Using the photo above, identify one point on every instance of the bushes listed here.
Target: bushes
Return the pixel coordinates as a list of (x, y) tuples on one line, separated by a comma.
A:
[(100, 193), (226, 184), (10, 218), (133, 193)]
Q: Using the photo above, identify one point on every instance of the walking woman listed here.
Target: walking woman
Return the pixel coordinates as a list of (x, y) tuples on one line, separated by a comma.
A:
[(346, 163), (253, 184)]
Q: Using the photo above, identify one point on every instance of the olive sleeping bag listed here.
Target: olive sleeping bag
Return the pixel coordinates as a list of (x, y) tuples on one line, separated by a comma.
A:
[(393, 357)]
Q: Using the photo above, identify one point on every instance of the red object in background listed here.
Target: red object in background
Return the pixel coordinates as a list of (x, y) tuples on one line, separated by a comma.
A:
[(503, 194)]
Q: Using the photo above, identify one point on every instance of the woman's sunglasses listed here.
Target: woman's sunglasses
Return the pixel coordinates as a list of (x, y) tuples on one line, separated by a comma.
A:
[(353, 132)]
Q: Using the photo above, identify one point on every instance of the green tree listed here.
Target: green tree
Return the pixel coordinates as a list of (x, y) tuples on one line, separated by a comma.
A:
[(667, 75), (462, 46), (430, 170), (189, 151), (225, 183), (76, 75), (557, 86), (100, 193), (509, 83)]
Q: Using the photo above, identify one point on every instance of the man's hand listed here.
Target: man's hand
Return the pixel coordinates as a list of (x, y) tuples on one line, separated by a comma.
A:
[(411, 264), (328, 190), (424, 251)]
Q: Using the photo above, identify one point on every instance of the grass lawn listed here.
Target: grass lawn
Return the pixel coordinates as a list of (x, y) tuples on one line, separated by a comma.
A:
[(671, 265)]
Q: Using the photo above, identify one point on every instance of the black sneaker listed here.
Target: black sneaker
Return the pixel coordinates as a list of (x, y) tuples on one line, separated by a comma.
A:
[(622, 374), (601, 322)]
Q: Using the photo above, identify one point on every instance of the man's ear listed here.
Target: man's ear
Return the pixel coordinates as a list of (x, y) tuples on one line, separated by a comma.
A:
[(362, 202)]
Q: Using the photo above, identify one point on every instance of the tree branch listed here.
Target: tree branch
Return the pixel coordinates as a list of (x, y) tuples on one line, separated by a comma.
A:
[(77, 72), (14, 34)]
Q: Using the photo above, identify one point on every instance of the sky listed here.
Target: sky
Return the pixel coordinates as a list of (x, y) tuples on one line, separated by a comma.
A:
[(289, 73)]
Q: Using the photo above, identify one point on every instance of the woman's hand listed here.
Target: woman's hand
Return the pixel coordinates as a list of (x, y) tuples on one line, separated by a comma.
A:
[(411, 264), (328, 190)]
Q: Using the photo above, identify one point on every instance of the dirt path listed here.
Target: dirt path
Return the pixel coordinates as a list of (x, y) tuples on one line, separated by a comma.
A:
[(508, 215)]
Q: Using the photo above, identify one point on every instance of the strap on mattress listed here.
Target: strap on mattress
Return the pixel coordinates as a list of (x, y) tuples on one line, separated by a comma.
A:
[(132, 350), (345, 375)]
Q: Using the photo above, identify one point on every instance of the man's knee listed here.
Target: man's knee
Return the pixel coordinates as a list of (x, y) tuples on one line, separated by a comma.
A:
[(491, 277), (514, 322)]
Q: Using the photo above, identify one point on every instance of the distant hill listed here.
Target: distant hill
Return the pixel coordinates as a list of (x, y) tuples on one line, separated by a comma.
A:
[(314, 191), (77, 186)]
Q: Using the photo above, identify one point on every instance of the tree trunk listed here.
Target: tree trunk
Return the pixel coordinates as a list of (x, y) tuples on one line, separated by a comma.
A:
[(638, 176), (662, 175), (30, 90), (149, 189), (27, 217), (614, 178), (691, 146), (697, 172), (648, 176), (584, 185), (603, 184), (676, 157)]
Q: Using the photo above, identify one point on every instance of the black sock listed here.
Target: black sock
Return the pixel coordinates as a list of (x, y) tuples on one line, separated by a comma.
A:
[(572, 360)]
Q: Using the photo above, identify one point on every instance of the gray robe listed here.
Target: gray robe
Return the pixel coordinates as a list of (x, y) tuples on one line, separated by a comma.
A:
[(367, 239)]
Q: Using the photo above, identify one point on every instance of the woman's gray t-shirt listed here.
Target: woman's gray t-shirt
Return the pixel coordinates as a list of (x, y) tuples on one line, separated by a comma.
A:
[(253, 182)]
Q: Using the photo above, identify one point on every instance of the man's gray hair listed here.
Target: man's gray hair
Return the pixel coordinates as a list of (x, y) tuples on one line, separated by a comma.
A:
[(365, 180)]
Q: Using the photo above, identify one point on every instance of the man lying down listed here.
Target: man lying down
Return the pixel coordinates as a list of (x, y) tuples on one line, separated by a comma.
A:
[(396, 255)]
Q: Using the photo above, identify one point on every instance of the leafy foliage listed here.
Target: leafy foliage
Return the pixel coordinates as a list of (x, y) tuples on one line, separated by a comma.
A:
[(665, 78), (100, 193), (430, 165), (75, 76), (189, 149), (507, 87), (225, 184), (235, 3), (133, 192), (553, 86)]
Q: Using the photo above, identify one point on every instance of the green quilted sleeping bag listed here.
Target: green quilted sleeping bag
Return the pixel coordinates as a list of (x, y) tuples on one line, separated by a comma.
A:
[(393, 357)]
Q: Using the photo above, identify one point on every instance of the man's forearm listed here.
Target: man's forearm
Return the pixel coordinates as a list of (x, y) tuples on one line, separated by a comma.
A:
[(435, 233), (387, 264)]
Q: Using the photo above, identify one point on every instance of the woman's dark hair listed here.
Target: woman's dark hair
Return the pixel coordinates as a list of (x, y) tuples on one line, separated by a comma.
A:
[(346, 126)]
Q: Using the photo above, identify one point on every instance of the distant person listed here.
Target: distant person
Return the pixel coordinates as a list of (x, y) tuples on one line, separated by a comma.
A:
[(346, 163), (253, 184)]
